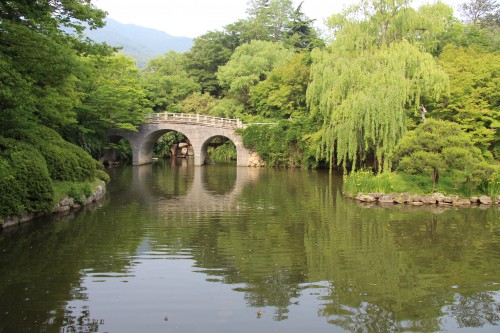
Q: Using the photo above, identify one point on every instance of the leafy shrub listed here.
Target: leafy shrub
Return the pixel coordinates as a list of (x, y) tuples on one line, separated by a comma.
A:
[(224, 152), (282, 144), (103, 175), (25, 184), (65, 161)]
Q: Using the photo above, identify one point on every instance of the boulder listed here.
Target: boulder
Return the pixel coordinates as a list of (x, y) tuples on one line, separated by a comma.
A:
[(462, 202), (447, 199), (67, 202), (63, 209), (438, 197), (428, 200), (365, 198), (386, 199), (376, 195), (406, 198), (474, 200), (485, 200)]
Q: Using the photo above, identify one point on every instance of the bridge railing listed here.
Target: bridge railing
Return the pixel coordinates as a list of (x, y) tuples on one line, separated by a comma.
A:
[(187, 118)]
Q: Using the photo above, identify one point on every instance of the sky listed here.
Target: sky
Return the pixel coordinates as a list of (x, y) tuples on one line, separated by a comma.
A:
[(192, 18)]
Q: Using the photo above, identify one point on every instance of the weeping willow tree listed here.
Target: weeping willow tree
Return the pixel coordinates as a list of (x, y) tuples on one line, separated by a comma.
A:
[(375, 73)]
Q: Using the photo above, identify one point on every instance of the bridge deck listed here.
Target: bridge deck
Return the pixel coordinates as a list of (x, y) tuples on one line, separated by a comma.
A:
[(195, 119)]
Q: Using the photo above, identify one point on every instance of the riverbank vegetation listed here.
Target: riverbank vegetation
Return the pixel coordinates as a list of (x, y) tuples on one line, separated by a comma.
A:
[(410, 95)]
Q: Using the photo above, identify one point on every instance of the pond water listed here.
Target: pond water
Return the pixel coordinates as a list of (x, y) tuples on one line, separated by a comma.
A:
[(179, 248)]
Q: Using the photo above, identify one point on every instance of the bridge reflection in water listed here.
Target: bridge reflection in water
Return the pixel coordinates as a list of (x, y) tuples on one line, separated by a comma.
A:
[(187, 188)]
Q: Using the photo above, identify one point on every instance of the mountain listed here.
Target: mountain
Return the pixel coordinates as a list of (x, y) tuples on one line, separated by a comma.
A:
[(140, 43)]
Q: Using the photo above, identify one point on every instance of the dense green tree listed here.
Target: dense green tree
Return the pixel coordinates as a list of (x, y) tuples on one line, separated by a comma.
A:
[(199, 103), (210, 51), (373, 76), (40, 86), (474, 100), (250, 64), (41, 50), (436, 147), (300, 32), (476, 10), (112, 96), (282, 94), (374, 23), (482, 24), (366, 100), (167, 82), (270, 18)]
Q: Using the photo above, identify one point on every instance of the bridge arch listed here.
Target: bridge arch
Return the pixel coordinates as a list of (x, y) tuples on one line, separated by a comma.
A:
[(198, 129)]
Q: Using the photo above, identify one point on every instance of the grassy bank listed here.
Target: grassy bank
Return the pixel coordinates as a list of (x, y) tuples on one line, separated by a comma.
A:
[(367, 182), (75, 190)]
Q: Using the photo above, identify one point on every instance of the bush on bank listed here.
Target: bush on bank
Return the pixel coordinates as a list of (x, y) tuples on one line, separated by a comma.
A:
[(65, 161), (31, 160)]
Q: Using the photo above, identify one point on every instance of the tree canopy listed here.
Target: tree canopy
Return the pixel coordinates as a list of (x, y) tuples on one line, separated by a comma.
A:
[(372, 78)]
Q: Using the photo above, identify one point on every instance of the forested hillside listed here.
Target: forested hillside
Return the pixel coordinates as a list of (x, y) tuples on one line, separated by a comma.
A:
[(139, 43), (373, 96)]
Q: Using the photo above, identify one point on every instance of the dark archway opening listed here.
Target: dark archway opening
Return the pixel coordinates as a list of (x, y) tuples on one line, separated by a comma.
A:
[(118, 151)]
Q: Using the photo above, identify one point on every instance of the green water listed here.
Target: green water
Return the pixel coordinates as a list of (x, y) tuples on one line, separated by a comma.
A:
[(179, 248)]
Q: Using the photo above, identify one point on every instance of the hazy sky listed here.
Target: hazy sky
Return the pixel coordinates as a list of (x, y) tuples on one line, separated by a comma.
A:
[(192, 18)]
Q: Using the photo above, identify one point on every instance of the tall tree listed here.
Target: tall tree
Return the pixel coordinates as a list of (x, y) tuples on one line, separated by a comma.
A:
[(372, 77), (111, 96), (40, 86), (300, 32), (271, 17), (209, 52), (250, 64), (282, 94), (474, 100), (476, 10), (442, 147), (167, 82)]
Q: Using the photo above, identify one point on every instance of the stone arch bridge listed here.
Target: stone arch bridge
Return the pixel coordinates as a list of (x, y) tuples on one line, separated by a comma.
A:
[(199, 129)]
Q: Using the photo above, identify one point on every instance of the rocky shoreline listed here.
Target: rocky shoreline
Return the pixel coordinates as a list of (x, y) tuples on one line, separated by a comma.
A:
[(64, 207), (423, 200)]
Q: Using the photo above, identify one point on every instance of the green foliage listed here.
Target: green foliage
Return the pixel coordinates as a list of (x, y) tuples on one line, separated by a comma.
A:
[(123, 150), (474, 100), (167, 82), (226, 151), (199, 103), (162, 145), (300, 32), (283, 93), (65, 161), (440, 147), (25, 184), (371, 24), (270, 18), (373, 77), (228, 108), (364, 181), (103, 175), (283, 144), (251, 63), (365, 98), (41, 85), (75, 190), (210, 51)]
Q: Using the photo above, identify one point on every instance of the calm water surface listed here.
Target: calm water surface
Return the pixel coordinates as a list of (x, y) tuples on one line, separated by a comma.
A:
[(201, 249)]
